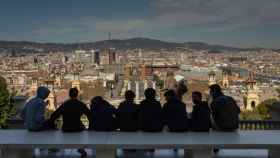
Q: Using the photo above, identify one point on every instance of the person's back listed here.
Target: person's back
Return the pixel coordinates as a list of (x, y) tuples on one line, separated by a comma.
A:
[(201, 117), (72, 111), (201, 114), (34, 111), (175, 114), (150, 113), (127, 116), (225, 111), (103, 115)]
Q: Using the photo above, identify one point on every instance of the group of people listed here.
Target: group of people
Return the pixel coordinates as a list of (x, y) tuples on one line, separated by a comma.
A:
[(148, 116)]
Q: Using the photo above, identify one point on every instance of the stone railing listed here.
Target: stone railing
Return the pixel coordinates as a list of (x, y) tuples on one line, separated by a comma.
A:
[(259, 125), (243, 125)]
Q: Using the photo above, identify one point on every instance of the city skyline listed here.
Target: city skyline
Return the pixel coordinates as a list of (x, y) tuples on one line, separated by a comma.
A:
[(240, 23)]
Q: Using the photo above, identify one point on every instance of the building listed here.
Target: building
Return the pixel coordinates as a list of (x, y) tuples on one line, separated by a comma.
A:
[(95, 55), (212, 78), (225, 79), (112, 56), (252, 95)]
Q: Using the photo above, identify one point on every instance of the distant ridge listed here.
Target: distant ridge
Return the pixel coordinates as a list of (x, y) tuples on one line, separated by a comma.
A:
[(143, 43)]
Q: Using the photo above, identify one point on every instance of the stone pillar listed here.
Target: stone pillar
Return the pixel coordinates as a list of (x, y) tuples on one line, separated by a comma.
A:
[(129, 85), (137, 93), (154, 85), (145, 84)]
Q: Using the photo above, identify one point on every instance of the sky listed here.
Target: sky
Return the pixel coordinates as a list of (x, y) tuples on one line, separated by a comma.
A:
[(241, 23)]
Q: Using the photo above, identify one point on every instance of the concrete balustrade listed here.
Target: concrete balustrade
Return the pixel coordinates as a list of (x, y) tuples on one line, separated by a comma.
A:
[(196, 145)]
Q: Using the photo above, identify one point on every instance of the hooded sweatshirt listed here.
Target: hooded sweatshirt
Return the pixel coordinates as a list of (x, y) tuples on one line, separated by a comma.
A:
[(33, 113)]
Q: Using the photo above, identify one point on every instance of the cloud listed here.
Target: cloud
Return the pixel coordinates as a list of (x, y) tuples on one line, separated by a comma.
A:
[(208, 15), (227, 13)]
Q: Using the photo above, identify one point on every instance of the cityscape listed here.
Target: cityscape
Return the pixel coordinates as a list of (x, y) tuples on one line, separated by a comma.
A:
[(140, 79), (250, 76)]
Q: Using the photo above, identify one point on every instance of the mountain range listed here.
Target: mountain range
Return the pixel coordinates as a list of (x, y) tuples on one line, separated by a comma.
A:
[(143, 43)]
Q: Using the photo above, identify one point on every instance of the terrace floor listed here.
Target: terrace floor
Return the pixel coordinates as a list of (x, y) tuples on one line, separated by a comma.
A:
[(69, 153)]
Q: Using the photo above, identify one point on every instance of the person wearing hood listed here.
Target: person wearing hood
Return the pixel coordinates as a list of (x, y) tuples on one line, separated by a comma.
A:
[(33, 112), (175, 113)]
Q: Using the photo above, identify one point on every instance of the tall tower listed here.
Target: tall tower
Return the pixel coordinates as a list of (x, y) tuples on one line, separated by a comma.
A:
[(76, 81), (34, 86), (212, 78), (95, 57), (52, 97), (112, 56), (252, 96), (225, 79)]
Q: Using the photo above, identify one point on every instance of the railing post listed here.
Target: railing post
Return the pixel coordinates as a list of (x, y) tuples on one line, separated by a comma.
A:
[(106, 152), (198, 153), (273, 153)]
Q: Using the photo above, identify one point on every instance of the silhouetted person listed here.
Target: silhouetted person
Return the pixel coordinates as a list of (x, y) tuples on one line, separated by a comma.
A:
[(71, 112), (127, 113), (175, 113), (225, 111), (103, 115), (150, 113), (33, 112), (201, 115)]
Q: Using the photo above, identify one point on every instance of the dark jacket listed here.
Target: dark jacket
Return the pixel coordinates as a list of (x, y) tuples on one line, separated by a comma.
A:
[(127, 116), (150, 116), (175, 115), (225, 113), (103, 116), (201, 118), (71, 112)]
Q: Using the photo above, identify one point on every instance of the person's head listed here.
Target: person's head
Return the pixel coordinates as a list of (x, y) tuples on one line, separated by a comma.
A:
[(129, 95), (73, 93), (181, 88), (150, 93), (169, 94), (215, 90), (196, 97), (96, 100), (43, 92)]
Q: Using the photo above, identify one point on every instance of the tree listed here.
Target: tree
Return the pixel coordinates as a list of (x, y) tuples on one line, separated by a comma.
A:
[(5, 107), (263, 110)]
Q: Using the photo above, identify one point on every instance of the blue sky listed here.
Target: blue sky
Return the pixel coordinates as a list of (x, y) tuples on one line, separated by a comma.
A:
[(243, 23)]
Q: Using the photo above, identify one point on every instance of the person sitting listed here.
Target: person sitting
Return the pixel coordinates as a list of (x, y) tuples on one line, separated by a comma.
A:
[(127, 113), (225, 110), (71, 112), (201, 114), (33, 112), (103, 115), (175, 113), (150, 113)]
